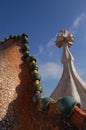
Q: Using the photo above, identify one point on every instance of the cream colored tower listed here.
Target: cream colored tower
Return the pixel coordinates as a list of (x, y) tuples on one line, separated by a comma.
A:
[(70, 83)]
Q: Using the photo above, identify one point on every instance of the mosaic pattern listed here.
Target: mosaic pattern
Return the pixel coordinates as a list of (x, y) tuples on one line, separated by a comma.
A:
[(17, 111), (8, 72)]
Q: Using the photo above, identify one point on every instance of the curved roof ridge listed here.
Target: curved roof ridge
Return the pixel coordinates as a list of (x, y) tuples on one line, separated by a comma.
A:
[(23, 37)]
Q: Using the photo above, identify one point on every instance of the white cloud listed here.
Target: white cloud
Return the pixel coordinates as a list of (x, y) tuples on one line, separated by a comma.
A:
[(41, 49), (47, 49), (51, 53), (50, 70), (78, 20), (51, 43)]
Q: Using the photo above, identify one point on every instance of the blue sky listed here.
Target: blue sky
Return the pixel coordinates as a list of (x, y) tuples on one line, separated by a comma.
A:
[(42, 20)]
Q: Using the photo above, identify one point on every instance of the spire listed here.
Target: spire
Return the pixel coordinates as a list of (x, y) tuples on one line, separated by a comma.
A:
[(70, 83)]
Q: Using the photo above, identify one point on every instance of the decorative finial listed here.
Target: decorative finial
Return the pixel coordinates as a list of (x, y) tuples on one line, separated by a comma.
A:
[(64, 37)]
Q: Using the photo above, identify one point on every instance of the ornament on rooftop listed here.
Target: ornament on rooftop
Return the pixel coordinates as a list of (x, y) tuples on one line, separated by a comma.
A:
[(70, 83), (64, 37)]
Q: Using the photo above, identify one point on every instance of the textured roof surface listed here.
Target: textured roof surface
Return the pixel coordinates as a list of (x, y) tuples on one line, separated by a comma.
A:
[(17, 111)]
